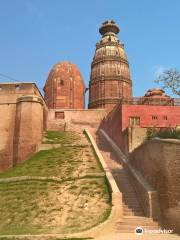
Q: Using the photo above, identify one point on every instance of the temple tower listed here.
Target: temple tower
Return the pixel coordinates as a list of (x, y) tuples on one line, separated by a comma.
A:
[(110, 79), (64, 88)]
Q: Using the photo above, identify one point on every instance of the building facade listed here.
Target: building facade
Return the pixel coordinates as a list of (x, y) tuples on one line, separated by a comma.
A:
[(23, 120), (110, 79), (128, 122)]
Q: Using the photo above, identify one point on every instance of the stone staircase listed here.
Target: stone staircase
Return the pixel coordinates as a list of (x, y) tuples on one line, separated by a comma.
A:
[(133, 214)]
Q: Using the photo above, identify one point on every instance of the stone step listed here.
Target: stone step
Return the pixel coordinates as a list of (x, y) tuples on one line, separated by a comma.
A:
[(135, 225), (133, 210), (128, 198), (131, 203), (131, 229), (125, 191), (140, 222), (133, 213), (127, 195), (137, 219), (132, 206)]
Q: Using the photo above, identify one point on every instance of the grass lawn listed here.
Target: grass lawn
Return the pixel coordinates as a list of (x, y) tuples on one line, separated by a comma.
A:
[(61, 137), (63, 162), (45, 206)]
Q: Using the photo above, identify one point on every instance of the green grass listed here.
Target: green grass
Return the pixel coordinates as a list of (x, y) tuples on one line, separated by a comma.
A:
[(55, 137), (61, 162), (36, 207), (48, 206)]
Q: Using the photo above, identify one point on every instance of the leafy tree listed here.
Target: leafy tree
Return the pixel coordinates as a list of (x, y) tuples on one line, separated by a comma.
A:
[(170, 79)]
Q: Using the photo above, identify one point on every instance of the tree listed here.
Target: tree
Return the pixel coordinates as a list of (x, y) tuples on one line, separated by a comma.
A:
[(170, 79)]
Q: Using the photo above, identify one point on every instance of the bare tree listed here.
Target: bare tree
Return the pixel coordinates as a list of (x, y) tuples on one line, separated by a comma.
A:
[(170, 79)]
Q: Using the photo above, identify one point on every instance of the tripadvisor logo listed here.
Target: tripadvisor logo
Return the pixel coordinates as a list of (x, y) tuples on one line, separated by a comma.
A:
[(139, 231)]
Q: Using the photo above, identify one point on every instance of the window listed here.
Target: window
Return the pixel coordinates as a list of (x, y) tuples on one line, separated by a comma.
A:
[(165, 117), (59, 115), (134, 121), (0, 88), (17, 87), (62, 82), (154, 117)]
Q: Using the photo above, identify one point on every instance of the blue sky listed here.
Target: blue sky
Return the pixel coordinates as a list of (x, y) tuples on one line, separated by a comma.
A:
[(36, 34)]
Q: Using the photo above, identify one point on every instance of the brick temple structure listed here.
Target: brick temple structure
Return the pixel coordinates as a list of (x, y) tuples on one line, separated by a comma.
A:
[(147, 173), (110, 79), (64, 87)]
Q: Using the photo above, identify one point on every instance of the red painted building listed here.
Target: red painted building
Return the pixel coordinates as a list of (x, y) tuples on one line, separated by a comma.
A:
[(155, 109), (150, 116)]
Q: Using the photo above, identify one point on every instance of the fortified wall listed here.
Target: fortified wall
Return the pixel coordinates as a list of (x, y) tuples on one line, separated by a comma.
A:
[(23, 118)]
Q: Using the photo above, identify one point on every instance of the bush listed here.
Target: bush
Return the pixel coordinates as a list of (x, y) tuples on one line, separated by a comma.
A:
[(171, 133), (151, 133)]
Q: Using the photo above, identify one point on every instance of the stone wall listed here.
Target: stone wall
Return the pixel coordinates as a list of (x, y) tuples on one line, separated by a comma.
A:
[(61, 119), (15, 118), (7, 122), (159, 163), (28, 127), (112, 125), (134, 137)]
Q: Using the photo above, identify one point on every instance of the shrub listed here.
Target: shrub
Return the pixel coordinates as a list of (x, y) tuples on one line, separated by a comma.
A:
[(171, 133)]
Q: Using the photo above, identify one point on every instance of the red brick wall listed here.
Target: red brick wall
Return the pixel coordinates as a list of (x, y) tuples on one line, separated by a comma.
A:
[(145, 112), (117, 121)]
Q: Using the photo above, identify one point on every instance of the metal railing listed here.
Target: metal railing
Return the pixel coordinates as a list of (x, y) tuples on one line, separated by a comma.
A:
[(151, 101)]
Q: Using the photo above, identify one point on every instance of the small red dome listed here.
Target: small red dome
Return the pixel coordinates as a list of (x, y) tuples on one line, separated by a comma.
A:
[(156, 93)]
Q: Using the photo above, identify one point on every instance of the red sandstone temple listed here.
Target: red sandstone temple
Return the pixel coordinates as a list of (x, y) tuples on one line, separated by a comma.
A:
[(121, 119), (110, 89), (64, 87), (25, 114), (110, 75)]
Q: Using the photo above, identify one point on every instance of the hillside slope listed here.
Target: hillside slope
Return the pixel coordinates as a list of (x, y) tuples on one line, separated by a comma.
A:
[(58, 190)]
